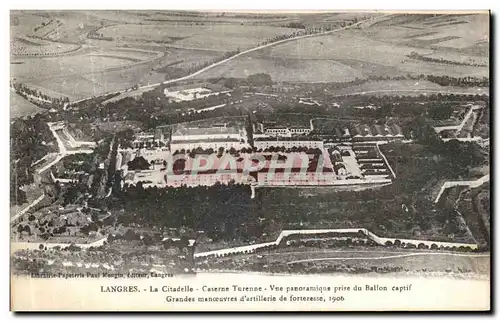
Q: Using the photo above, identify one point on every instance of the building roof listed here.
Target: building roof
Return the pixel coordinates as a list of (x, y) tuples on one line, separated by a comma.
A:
[(363, 130), (377, 130), (302, 138), (205, 140), (396, 130), (276, 128), (180, 130), (338, 133)]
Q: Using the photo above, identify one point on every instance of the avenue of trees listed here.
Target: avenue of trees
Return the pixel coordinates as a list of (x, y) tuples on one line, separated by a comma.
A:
[(37, 97), (415, 55)]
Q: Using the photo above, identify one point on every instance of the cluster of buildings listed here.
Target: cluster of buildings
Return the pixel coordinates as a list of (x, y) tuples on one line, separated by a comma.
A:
[(156, 138), (363, 133), (375, 133), (269, 135), (288, 142), (371, 163), (258, 169), (215, 137), (186, 93), (461, 125), (298, 158), (261, 129)]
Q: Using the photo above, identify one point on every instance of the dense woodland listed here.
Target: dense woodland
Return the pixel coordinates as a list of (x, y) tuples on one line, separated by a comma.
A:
[(30, 141), (223, 212)]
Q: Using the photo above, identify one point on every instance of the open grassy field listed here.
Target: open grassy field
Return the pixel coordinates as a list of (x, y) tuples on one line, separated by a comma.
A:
[(57, 26), (378, 50), (366, 258), (94, 60), (20, 107), (295, 70), (212, 37), (77, 65), (405, 87), (94, 72), (24, 46), (162, 45)]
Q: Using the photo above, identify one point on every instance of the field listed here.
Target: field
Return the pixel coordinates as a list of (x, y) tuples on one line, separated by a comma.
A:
[(92, 61), (296, 70), (89, 53), (404, 87), (95, 72), (36, 47), (79, 60), (209, 37), (378, 50), (351, 260), (20, 107)]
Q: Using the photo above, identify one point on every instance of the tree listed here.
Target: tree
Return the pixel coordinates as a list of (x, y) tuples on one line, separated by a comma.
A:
[(260, 80), (231, 83), (138, 163), (17, 195), (441, 112)]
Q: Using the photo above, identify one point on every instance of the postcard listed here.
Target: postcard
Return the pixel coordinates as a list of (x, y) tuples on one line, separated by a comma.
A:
[(249, 161)]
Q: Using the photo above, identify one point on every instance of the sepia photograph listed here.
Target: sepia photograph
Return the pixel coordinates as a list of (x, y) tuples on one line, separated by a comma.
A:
[(195, 160)]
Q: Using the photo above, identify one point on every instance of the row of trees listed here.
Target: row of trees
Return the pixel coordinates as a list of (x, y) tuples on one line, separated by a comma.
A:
[(415, 55), (459, 82), (37, 97)]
